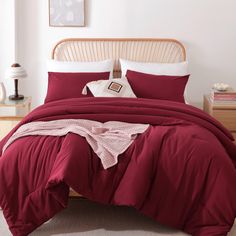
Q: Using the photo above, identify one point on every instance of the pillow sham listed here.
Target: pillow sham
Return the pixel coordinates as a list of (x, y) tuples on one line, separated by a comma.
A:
[(69, 85), (74, 66), (110, 88), (157, 86), (178, 69)]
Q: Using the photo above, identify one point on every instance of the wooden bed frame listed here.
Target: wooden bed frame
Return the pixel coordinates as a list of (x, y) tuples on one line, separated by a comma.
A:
[(135, 49)]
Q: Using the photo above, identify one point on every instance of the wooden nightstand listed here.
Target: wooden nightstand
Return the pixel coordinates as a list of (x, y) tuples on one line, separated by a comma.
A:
[(11, 112), (225, 113)]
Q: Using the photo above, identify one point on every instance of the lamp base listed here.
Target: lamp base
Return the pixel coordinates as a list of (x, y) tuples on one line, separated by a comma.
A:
[(16, 97)]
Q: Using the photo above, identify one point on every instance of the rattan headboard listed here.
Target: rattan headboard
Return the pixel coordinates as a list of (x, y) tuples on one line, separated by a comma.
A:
[(143, 50)]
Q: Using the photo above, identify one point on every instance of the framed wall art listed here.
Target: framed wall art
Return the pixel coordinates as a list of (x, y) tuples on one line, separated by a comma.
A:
[(66, 13)]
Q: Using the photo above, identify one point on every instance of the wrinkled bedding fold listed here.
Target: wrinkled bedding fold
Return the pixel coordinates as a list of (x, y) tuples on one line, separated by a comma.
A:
[(180, 172), (108, 140)]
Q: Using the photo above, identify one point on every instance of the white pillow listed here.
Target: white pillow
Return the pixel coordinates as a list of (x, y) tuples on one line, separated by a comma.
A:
[(178, 69), (74, 66), (110, 88)]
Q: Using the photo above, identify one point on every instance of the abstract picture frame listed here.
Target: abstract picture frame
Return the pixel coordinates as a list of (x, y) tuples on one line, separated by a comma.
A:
[(66, 13)]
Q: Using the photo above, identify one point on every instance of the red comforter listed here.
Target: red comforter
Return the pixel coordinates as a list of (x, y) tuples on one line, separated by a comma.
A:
[(181, 171)]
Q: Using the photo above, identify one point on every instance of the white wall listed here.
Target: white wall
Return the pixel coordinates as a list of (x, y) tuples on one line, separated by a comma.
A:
[(7, 38), (207, 29)]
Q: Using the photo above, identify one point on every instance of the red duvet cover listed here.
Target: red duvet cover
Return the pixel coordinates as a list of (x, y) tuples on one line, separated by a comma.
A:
[(181, 171)]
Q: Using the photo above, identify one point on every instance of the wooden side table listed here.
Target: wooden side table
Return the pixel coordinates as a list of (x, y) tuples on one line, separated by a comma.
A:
[(225, 113), (11, 112)]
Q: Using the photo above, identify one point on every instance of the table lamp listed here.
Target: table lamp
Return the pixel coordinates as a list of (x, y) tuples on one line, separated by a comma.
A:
[(16, 72)]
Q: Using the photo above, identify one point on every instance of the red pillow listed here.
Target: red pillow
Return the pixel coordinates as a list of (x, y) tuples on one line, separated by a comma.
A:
[(70, 85), (157, 86)]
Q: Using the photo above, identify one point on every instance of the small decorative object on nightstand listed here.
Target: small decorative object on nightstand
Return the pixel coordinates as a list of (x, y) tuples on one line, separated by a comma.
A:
[(224, 111), (16, 72), (221, 87), (11, 112)]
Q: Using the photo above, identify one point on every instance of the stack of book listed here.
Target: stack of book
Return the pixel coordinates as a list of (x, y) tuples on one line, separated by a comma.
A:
[(223, 97)]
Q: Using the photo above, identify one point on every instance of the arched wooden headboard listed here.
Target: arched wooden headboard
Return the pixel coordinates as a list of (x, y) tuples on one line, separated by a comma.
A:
[(135, 49)]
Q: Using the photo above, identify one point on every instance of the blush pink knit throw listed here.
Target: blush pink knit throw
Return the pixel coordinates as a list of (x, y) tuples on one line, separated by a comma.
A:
[(108, 140)]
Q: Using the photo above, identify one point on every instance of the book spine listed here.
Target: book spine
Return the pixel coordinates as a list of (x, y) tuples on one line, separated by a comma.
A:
[(224, 95), (224, 99), (223, 102)]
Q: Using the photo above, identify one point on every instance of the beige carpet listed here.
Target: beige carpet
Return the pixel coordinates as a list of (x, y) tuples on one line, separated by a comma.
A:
[(90, 219)]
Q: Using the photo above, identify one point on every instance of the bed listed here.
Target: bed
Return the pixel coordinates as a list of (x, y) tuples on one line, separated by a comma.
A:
[(179, 169), (143, 50)]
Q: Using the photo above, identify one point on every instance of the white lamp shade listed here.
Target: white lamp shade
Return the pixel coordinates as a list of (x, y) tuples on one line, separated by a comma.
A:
[(16, 72)]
